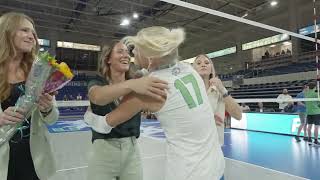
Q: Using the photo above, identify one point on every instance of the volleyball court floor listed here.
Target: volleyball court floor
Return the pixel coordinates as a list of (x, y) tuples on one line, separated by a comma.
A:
[(249, 155)]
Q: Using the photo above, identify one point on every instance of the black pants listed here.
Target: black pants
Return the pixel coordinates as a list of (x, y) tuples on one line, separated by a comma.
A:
[(20, 163)]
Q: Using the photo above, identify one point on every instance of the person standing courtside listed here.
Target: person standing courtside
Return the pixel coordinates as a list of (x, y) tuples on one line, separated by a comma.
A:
[(301, 109), (284, 97), (313, 112)]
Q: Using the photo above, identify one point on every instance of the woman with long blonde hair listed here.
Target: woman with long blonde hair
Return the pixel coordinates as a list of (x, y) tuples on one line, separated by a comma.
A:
[(27, 155), (219, 98)]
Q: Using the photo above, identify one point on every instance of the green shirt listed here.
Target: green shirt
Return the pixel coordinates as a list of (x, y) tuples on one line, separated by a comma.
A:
[(312, 106), (126, 129)]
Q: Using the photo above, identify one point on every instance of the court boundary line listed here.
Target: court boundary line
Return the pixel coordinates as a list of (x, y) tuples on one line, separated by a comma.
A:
[(243, 162), (280, 172)]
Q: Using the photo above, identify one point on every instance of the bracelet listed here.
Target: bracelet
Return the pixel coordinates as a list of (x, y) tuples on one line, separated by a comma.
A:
[(47, 112), (226, 94)]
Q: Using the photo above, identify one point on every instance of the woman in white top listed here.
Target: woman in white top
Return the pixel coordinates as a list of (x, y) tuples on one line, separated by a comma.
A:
[(220, 100)]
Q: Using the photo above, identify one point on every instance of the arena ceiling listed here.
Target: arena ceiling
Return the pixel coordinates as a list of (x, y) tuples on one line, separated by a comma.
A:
[(98, 21)]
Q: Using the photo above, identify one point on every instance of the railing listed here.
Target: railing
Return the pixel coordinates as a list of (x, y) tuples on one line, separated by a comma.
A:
[(282, 61)]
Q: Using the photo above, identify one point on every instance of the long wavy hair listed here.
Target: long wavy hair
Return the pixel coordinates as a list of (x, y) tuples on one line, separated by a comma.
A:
[(104, 66), (9, 24)]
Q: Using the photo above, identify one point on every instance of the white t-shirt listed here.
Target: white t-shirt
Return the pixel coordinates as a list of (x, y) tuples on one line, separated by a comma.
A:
[(284, 98), (193, 149)]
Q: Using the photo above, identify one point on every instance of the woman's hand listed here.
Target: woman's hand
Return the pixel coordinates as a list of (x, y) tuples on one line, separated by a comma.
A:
[(10, 116), (150, 86), (217, 83), (219, 121), (45, 102)]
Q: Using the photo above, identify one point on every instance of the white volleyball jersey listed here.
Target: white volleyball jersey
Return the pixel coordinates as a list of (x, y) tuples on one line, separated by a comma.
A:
[(193, 149)]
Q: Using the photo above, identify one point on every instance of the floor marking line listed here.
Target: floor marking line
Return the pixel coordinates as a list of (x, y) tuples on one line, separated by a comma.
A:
[(265, 168)]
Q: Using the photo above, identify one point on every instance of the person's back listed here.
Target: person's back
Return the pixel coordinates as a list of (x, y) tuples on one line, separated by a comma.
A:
[(312, 107), (187, 120)]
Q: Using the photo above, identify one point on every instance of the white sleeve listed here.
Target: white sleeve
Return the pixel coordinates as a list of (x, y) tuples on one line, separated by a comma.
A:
[(97, 123)]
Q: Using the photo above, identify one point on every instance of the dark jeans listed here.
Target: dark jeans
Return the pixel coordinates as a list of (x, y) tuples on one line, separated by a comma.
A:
[(20, 162)]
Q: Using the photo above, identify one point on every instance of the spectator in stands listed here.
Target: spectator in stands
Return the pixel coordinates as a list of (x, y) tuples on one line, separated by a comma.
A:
[(244, 107), (284, 99), (261, 108), (218, 95), (116, 153), (65, 98), (288, 52), (283, 52), (267, 54), (79, 97), (71, 98), (313, 112), (301, 109), (144, 114), (28, 154)]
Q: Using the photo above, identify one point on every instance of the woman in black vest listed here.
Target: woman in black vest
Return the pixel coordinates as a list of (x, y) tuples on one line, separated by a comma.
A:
[(116, 154)]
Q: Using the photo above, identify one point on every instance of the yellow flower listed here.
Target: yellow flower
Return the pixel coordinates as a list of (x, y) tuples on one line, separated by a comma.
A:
[(63, 67), (53, 62)]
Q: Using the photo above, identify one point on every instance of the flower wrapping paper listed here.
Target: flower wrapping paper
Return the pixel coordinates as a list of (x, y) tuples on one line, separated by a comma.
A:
[(45, 76)]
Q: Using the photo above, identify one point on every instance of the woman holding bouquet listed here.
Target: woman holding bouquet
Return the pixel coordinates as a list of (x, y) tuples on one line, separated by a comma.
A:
[(116, 153), (27, 155)]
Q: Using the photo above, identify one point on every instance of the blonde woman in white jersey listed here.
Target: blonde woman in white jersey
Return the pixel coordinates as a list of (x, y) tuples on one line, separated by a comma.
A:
[(219, 98), (193, 149)]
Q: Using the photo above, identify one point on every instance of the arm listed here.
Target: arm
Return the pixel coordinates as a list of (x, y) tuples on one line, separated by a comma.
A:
[(102, 95), (299, 102), (131, 105), (233, 108), (48, 110), (52, 117), (149, 86)]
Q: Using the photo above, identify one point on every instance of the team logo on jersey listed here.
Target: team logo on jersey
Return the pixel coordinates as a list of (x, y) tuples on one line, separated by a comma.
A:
[(176, 71)]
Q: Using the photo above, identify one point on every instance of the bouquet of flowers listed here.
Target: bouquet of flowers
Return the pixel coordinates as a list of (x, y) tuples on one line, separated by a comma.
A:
[(46, 76)]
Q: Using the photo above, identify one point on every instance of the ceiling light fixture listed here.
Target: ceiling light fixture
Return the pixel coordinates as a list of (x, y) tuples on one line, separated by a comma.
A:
[(125, 22), (135, 15), (245, 15), (273, 3), (287, 43)]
